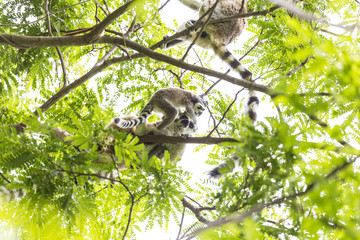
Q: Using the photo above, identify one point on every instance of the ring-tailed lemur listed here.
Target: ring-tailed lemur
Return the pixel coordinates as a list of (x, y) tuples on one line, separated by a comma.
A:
[(218, 35), (168, 101), (183, 126)]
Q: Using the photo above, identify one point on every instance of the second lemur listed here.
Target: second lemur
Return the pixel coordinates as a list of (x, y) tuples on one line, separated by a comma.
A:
[(168, 101), (218, 35)]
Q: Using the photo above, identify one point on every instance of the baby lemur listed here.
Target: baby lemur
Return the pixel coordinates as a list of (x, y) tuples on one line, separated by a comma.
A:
[(167, 101), (218, 35)]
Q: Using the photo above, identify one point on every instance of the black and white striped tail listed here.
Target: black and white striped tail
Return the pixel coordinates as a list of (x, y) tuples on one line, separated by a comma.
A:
[(145, 113), (227, 57), (252, 105), (11, 194)]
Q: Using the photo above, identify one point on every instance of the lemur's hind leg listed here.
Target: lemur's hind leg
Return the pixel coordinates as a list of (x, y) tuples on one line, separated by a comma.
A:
[(193, 4), (170, 113), (178, 41)]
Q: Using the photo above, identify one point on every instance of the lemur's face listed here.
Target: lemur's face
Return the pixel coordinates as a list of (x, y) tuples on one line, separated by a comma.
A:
[(185, 121)]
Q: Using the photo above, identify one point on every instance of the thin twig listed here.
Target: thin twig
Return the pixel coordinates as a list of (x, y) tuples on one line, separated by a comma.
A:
[(129, 219), (227, 110), (302, 64), (101, 7), (181, 223), (193, 225), (178, 78), (212, 86), (252, 48), (105, 57), (65, 80), (214, 121), (162, 6), (131, 27), (97, 31), (39, 19), (107, 6), (4, 177)]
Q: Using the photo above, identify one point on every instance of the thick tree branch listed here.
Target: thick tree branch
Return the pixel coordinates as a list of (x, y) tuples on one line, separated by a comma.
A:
[(95, 70), (196, 211), (245, 15), (100, 28), (189, 140), (178, 63)]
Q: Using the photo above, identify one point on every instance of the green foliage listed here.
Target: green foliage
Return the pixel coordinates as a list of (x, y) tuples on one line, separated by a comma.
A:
[(295, 162)]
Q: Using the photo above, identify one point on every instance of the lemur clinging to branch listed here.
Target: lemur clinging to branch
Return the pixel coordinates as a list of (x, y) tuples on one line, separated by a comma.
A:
[(217, 36), (168, 101)]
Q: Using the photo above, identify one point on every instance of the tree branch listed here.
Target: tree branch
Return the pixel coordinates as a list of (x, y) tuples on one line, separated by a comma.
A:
[(129, 219), (178, 63), (98, 30), (245, 15), (196, 211), (2, 175), (302, 64), (189, 140), (95, 70), (181, 223)]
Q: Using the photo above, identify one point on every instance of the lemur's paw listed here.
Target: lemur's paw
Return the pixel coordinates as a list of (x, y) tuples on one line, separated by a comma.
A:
[(117, 120), (189, 24), (164, 43)]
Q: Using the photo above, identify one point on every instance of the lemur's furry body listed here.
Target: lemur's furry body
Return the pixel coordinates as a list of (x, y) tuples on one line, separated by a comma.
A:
[(218, 35), (183, 126), (167, 101)]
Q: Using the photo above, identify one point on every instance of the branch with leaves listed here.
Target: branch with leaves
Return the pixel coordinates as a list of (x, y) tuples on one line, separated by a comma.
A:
[(257, 209)]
